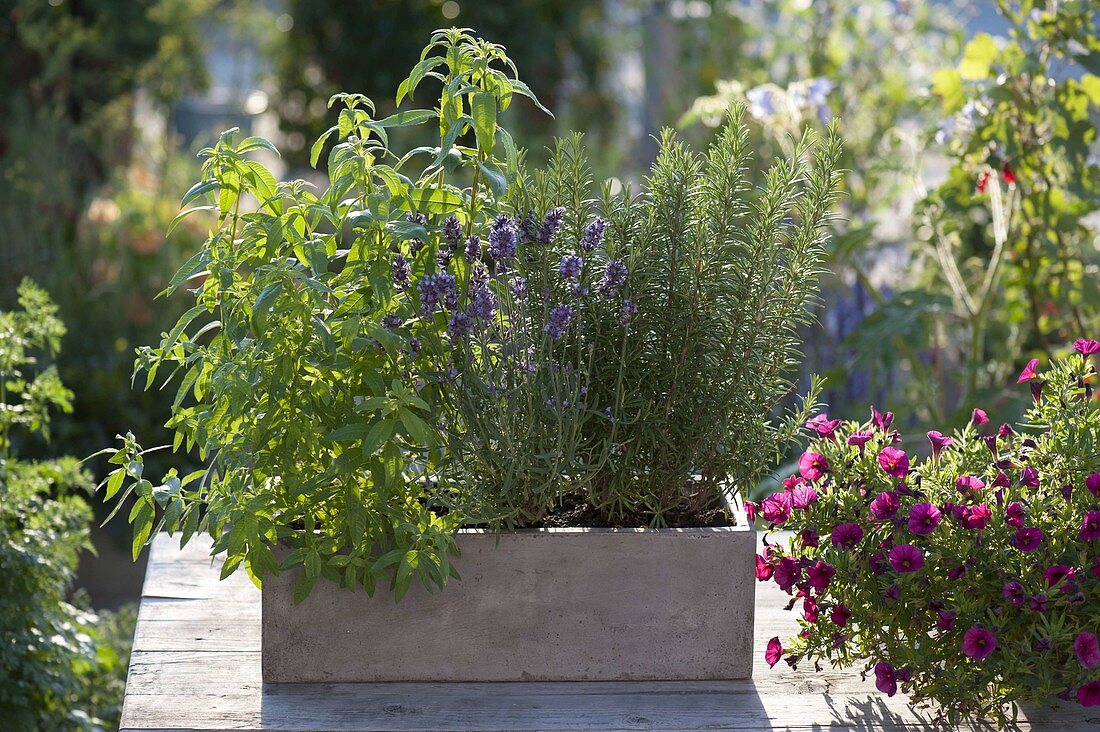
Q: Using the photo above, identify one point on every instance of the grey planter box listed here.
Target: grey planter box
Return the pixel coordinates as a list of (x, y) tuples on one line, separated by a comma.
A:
[(542, 605)]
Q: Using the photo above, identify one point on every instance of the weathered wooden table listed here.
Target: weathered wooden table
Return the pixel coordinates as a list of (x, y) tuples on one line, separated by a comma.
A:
[(196, 666)]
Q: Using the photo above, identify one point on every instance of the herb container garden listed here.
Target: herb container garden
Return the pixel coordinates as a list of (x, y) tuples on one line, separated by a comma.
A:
[(534, 605)]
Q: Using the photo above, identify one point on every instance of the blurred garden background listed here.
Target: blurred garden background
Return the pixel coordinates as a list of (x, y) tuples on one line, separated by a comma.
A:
[(967, 242)]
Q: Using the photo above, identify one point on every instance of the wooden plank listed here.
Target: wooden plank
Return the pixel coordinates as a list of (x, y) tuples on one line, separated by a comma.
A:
[(196, 666)]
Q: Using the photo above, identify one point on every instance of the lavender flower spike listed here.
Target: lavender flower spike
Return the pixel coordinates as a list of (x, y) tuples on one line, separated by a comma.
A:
[(560, 318), (571, 266), (593, 234)]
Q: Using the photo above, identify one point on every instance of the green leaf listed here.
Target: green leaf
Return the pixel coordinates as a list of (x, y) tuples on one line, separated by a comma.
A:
[(434, 200), (303, 587), (498, 184), (143, 527), (348, 433), (483, 111), (184, 214), (256, 143), (114, 483), (407, 118), (947, 85), (977, 57), (319, 145), (197, 190), (417, 427), (408, 86), (378, 434)]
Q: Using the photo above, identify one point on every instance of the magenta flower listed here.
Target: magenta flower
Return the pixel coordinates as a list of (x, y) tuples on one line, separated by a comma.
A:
[(1087, 650), (1057, 573), (885, 506), (803, 496), (750, 510), (1002, 480), (777, 508), (1086, 346), (764, 569), (787, 574), (809, 537), (1037, 603), (1027, 539), (860, 439), (1089, 694), (809, 610), (924, 518), (1005, 430), (1029, 477), (939, 441), (840, 615), (894, 462), (820, 575), (978, 643), (978, 417), (774, 652), (945, 619), (1014, 515), (847, 535), (880, 420), (1092, 483), (977, 517), (906, 558), (968, 483), (812, 465), (823, 426), (1014, 592), (1090, 526), (885, 680), (1029, 371)]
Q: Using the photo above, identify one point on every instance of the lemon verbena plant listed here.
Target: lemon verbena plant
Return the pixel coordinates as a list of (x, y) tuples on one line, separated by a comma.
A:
[(446, 338)]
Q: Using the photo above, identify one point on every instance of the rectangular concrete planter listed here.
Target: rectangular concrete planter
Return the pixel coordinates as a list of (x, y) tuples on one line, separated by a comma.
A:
[(540, 605)]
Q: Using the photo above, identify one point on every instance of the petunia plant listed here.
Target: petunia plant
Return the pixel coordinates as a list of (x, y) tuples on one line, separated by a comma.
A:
[(970, 577)]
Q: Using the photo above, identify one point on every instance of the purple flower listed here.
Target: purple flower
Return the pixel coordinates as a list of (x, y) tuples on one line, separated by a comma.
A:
[(977, 517), (1092, 483), (1088, 695), (551, 225), (627, 313), (906, 558), (1029, 371), (1057, 573), (460, 325), (892, 593), (978, 417), (885, 680), (483, 305), (519, 288), (452, 232), (924, 518), (1086, 346), (847, 535), (978, 643), (593, 234), (1027, 539), (391, 321), (614, 277), (809, 610), (570, 266), (760, 102), (1002, 480), (788, 573), (777, 508), (399, 270), (860, 439), (809, 537), (1090, 526), (880, 420), (803, 496), (764, 569), (966, 483), (502, 238), (560, 318), (885, 505), (939, 441), (774, 652), (945, 619), (1087, 650), (1029, 477), (894, 462), (823, 426), (812, 465), (1037, 603), (1014, 592), (840, 615), (1014, 515), (820, 575), (473, 248)]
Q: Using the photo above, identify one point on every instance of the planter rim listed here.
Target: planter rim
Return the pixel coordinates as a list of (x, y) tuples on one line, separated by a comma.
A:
[(741, 524)]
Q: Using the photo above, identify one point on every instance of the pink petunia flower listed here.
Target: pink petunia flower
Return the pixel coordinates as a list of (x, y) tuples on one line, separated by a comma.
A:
[(939, 441), (860, 439), (945, 619), (823, 426), (840, 615), (1092, 483), (1055, 574), (774, 652), (1087, 650), (977, 517), (905, 558), (885, 505), (880, 420), (1027, 539), (1086, 346), (1014, 592), (846, 535), (803, 496), (978, 643), (894, 462), (1088, 695), (1029, 477), (777, 508), (924, 518), (1090, 526), (966, 483), (820, 575), (1014, 515), (787, 574), (764, 569), (1029, 371), (885, 679), (978, 417), (812, 465), (1002, 480), (809, 610)]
